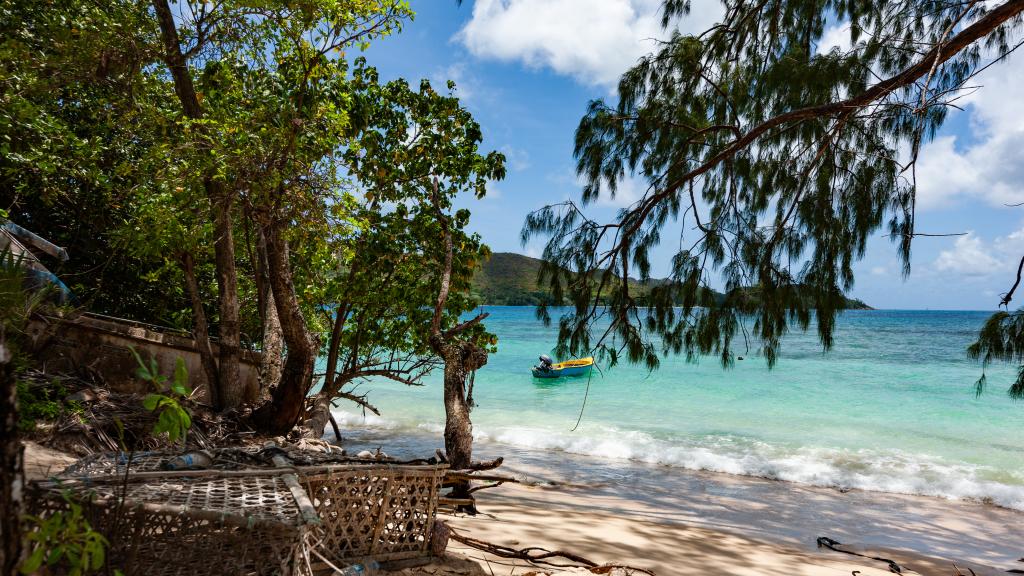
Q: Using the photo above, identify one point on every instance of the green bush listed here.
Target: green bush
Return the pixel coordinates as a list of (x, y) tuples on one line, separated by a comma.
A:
[(43, 402)]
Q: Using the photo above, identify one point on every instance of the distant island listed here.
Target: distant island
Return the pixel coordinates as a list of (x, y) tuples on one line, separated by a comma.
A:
[(510, 279)]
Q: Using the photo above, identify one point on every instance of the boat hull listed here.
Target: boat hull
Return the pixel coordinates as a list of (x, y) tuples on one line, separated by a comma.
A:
[(560, 372)]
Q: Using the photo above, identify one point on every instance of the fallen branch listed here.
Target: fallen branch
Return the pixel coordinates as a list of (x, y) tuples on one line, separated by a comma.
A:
[(459, 475), (486, 465), (484, 487)]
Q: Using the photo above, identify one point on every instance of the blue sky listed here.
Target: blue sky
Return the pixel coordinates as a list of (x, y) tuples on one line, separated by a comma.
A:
[(527, 68)]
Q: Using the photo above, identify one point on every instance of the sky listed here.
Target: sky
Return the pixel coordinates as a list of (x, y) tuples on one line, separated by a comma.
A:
[(526, 69)]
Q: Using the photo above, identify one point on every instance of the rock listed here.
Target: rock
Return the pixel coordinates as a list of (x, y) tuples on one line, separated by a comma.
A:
[(83, 395)]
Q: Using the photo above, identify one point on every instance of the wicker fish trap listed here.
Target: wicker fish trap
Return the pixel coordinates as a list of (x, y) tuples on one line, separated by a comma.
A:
[(284, 520), (179, 526), (382, 512)]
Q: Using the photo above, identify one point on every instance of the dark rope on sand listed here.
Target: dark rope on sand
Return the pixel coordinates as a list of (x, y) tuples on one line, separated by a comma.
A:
[(826, 542), (585, 395)]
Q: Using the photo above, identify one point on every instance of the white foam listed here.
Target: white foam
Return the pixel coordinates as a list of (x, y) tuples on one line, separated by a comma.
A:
[(872, 470)]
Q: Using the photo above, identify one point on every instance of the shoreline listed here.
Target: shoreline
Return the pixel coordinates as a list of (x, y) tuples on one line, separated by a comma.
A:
[(718, 523), (837, 470), (772, 512)]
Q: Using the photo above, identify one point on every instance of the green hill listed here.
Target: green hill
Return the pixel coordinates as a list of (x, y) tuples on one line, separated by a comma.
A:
[(510, 279)]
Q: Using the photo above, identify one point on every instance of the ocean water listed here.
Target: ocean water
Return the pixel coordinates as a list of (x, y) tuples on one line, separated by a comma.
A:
[(890, 408)]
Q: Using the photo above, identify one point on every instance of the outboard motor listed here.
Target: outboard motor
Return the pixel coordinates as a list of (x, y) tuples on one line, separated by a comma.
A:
[(545, 362)]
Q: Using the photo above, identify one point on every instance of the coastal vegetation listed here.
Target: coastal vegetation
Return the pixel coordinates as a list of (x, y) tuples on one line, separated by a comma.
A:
[(779, 160), (234, 170), (131, 139), (241, 172)]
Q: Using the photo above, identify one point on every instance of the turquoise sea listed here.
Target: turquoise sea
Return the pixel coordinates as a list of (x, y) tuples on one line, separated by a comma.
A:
[(891, 408)]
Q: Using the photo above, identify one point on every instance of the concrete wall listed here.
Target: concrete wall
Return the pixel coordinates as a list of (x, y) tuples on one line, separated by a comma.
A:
[(100, 345)]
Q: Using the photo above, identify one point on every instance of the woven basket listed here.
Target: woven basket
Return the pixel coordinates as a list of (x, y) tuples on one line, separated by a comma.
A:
[(256, 521)]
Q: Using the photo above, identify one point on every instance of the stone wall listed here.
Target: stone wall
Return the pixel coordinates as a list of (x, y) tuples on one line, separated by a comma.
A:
[(99, 345)]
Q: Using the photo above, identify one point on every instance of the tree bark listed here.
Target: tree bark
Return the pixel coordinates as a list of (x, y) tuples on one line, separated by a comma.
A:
[(461, 356), (273, 339), (320, 415), (232, 390), (460, 359), (287, 400), (231, 393), (201, 330), (12, 476)]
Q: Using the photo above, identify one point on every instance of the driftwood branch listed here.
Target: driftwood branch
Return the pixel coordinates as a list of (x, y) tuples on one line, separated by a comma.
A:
[(485, 486), (457, 475), (486, 464)]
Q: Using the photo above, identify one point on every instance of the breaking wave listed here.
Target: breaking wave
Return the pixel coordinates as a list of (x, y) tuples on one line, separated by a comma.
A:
[(878, 470)]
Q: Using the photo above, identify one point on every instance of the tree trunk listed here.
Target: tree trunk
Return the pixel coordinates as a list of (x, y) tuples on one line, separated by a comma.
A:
[(201, 330), (273, 340), (12, 475), (321, 412), (460, 358), (458, 428), (231, 389), (287, 400)]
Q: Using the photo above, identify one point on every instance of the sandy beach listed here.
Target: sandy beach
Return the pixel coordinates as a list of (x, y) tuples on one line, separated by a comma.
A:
[(610, 529), (711, 523), (682, 522)]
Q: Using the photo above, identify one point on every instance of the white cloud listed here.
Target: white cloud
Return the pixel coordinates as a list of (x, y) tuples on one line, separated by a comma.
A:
[(973, 257), (627, 191), (990, 166), (493, 191), (594, 41), (837, 36), (879, 271), (969, 257), (943, 174)]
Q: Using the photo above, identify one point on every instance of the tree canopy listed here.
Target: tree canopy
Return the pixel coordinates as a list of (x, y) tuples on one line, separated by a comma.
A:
[(779, 159), (229, 169)]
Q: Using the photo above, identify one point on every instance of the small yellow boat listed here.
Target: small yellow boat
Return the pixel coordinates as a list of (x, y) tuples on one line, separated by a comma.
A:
[(546, 369)]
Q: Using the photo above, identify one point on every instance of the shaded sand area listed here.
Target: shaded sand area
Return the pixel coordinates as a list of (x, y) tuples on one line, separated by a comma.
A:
[(673, 522), (609, 529)]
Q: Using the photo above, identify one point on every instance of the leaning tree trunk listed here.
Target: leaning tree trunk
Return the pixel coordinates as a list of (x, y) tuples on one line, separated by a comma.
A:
[(461, 357), (320, 414), (11, 468), (231, 393), (273, 340), (287, 400), (201, 330)]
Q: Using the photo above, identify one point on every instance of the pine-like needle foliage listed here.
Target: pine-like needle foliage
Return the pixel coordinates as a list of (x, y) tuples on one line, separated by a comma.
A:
[(778, 159)]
